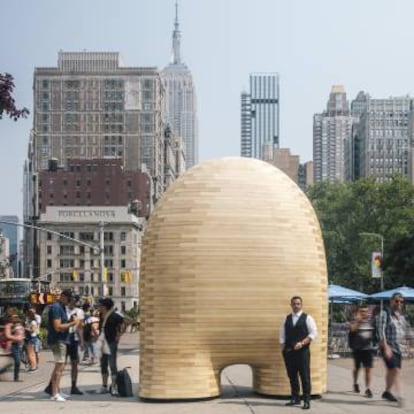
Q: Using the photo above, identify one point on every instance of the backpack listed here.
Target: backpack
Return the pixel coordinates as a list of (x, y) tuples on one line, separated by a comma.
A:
[(124, 384)]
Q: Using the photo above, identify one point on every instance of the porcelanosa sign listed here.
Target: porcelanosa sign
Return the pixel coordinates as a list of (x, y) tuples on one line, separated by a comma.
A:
[(86, 213)]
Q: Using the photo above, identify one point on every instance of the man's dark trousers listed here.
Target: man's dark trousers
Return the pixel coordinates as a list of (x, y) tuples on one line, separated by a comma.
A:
[(298, 365)]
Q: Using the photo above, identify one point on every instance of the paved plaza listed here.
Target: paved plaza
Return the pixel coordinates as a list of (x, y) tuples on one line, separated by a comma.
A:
[(28, 396)]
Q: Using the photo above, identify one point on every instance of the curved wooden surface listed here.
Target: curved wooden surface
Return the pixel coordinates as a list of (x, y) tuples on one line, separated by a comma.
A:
[(228, 245)]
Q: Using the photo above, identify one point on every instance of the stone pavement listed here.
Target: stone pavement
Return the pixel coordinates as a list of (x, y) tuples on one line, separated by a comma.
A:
[(28, 396)]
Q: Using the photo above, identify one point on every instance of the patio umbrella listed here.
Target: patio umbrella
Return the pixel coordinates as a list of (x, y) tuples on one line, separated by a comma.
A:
[(340, 294), (407, 292)]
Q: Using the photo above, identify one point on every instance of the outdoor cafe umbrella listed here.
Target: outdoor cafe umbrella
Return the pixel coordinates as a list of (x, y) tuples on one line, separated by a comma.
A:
[(340, 294), (407, 292)]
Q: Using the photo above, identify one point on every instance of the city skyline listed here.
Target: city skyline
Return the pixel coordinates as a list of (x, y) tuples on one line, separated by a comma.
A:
[(311, 45)]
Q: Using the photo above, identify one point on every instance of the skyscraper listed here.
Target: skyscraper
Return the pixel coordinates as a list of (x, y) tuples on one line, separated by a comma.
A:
[(260, 116), (384, 136), (92, 106), (331, 134), (181, 104)]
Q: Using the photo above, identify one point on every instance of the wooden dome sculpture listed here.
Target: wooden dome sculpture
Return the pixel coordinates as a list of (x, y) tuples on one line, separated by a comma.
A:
[(227, 246)]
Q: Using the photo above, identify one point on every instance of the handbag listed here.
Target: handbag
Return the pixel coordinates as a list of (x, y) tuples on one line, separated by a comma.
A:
[(101, 344)]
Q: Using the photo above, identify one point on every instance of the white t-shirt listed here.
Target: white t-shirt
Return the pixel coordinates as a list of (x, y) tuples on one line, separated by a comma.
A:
[(78, 313)]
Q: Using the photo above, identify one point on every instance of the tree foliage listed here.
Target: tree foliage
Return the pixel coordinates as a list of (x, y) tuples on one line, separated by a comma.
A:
[(7, 103), (365, 206)]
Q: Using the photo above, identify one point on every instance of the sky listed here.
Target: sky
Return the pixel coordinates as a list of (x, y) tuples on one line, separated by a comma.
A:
[(312, 44)]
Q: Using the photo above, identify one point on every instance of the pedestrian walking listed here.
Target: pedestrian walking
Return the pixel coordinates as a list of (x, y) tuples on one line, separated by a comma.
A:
[(361, 336), (393, 328), (32, 340), (298, 330), (13, 331)]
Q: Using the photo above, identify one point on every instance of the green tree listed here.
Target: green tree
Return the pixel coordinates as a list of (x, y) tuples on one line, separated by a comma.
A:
[(7, 103), (346, 210)]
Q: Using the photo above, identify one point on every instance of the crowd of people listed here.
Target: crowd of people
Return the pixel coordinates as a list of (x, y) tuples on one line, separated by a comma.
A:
[(76, 333), (385, 334)]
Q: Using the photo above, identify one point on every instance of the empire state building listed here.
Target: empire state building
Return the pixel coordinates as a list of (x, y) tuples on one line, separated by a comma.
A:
[(181, 104)]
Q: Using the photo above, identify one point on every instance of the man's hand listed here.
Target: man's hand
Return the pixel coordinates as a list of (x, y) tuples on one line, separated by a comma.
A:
[(298, 345), (387, 351)]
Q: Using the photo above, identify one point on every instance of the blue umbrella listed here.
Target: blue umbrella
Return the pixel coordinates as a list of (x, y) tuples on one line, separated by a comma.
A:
[(340, 294), (407, 292)]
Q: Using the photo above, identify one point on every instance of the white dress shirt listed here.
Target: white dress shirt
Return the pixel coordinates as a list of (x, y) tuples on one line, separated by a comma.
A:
[(310, 324)]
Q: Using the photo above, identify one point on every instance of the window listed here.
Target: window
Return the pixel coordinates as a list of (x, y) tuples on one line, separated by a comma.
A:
[(123, 236), (123, 263), (86, 236), (67, 250), (123, 249), (109, 250), (123, 291), (108, 236), (67, 263), (110, 290), (49, 249), (49, 263), (49, 236)]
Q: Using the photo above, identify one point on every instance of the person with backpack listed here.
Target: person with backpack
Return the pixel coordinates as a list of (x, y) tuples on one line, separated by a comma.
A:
[(361, 334), (393, 328)]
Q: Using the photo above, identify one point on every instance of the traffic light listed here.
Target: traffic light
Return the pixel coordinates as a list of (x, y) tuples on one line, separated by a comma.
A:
[(75, 275), (126, 276), (376, 265), (105, 274)]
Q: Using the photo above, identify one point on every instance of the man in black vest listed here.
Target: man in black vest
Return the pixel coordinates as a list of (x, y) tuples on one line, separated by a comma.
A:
[(298, 330)]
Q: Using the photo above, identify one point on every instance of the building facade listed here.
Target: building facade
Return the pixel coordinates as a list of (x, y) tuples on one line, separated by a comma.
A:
[(383, 137), (181, 102), (70, 264), (97, 139), (91, 106), (11, 232), (4, 257), (260, 116), (331, 135), (93, 182), (174, 153), (285, 161)]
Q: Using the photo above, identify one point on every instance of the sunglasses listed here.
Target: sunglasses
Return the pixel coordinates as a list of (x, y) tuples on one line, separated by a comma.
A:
[(398, 301)]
